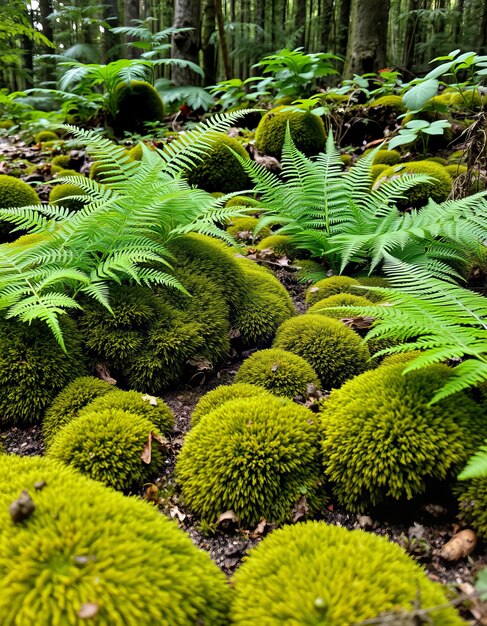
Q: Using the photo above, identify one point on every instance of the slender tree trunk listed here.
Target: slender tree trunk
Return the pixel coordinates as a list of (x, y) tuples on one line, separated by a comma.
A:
[(343, 27), (457, 28), (300, 21), (223, 40), (327, 13), (482, 48), (131, 11), (186, 45), (209, 51), (110, 40), (367, 41), (410, 36), (48, 72)]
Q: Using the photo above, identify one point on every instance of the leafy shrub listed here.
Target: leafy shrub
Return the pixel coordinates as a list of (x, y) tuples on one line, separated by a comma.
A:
[(60, 162), (219, 170), (107, 445), (87, 547), (45, 135), (281, 245), (224, 393), (296, 576), (330, 287), (439, 189), (60, 194), (382, 439), (254, 456), (137, 103), (335, 352), (34, 369), (472, 498), (242, 228), (152, 408), (307, 131), (14, 193), (66, 405), (340, 299), (278, 371)]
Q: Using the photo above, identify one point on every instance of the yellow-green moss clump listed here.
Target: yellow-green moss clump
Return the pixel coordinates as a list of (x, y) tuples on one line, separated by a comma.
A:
[(322, 307), (439, 160), (329, 287), (313, 573), (70, 401), (243, 201), (307, 131), (34, 369), (439, 189), (376, 170), (61, 195), (280, 372), (346, 159), (107, 445), (215, 398), (14, 193), (400, 357), (372, 281), (60, 162), (281, 245), (309, 271), (385, 157), (335, 352), (382, 440), (394, 103), (45, 135), (87, 550), (473, 504), (6, 124), (456, 170), (219, 169), (242, 228), (254, 456), (137, 103)]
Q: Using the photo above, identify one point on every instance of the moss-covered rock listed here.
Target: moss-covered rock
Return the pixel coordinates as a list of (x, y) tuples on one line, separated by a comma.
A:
[(280, 372), (439, 160), (45, 135), (61, 195), (382, 439), (219, 169), (456, 170), (346, 159), (335, 352), (307, 131), (376, 170), (329, 287), (14, 193), (400, 357), (439, 189), (385, 157), (60, 162), (87, 550), (67, 404), (394, 103), (224, 393), (313, 573), (372, 281), (242, 201), (281, 245), (242, 228), (137, 103), (322, 307), (6, 124), (309, 271), (254, 456)]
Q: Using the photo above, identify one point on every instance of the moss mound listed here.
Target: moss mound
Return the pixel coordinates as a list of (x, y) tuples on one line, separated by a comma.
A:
[(281, 245), (335, 352), (346, 159), (307, 131), (417, 197), (372, 281), (242, 228), (45, 135), (340, 299), (60, 194), (400, 357), (215, 398), (14, 193), (87, 547), (278, 371), (243, 201), (7, 124), (330, 287), (66, 405), (391, 102), (34, 369), (107, 446), (313, 573), (439, 160), (473, 505), (135, 153), (456, 170), (381, 439), (254, 456), (385, 157), (219, 169), (60, 162), (137, 103), (152, 408), (309, 271), (376, 170)]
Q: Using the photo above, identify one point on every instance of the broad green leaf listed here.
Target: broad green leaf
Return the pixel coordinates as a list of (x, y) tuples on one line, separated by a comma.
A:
[(416, 97)]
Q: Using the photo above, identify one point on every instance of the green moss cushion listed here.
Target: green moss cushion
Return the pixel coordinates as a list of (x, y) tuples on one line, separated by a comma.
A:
[(307, 131), (381, 439), (281, 245), (322, 307), (60, 194), (137, 102), (45, 135), (335, 352), (418, 196), (89, 551), (219, 169), (312, 573), (242, 228), (254, 456), (281, 372), (215, 398), (392, 102), (472, 499), (330, 287), (14, 193)]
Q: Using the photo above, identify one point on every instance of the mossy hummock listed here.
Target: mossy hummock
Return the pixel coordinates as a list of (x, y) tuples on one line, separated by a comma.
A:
[(330, 287), (323, 307), (45, 135), (224, 393), (61, 195), (14, 193), (417, 197), (312, 573), (137, 103), (472, 499), (89, 555)]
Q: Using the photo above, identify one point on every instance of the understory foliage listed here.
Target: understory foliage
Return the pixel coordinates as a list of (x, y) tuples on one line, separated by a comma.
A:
[(120, 234), (86, 546), (313, 573), (382, 439), (341, 217), (254, 456)]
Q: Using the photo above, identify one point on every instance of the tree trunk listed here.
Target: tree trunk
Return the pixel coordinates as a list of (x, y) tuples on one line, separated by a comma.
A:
[(223, 40), (326, 25), (131, 11), (110, 40), (367, 40), (457, 29), (410, 36), (483, 31), (209, 51), (186, 45), (300, 22), (48, 72), (343, 27)]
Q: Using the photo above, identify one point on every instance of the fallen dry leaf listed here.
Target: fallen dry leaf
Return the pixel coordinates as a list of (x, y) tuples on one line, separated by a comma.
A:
[(152, 400), (300, 510), (227, 519), (146, 455), (175, 512), (460, 545), (88, 610)]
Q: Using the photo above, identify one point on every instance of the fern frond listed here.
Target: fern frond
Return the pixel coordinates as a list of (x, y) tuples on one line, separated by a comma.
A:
[(477, 466)]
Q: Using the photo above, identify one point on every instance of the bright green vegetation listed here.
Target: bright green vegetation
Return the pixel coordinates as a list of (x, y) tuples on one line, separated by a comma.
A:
[(224, 393)]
